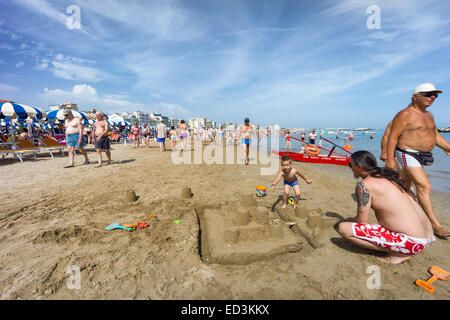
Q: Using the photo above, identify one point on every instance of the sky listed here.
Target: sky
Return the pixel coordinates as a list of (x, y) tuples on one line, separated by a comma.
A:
[(295, 63)]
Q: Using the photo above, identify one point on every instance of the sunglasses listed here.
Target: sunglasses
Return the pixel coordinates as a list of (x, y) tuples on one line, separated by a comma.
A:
[(430, 94)]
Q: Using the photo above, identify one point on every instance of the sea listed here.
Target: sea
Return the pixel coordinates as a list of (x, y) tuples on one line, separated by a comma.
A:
[(438, 172)]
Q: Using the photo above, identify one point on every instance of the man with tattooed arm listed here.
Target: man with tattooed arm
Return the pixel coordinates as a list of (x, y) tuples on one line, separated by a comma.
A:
[(403, 230)]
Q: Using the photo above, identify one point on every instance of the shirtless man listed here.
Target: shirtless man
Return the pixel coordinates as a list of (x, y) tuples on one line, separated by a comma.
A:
[(100, 138), (246, 131), (182, 133), (403, 230), (412, 131), (74, 137)]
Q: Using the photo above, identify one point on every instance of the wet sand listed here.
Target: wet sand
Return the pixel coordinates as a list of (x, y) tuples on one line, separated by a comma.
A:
[(53, 219)]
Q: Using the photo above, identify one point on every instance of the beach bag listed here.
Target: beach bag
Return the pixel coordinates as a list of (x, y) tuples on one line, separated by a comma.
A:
[(424, 158)]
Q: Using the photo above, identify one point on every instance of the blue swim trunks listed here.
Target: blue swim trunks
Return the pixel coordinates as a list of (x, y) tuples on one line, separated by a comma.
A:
[(245, 141), (161, 139), (72, 140), (292, 184)]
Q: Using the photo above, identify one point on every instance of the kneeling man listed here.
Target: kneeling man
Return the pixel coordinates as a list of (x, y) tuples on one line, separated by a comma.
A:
[(404, 229)]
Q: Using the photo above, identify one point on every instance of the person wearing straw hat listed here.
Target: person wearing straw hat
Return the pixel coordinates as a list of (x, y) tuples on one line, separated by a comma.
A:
[(74, 137), (413, 135), (101, 139)]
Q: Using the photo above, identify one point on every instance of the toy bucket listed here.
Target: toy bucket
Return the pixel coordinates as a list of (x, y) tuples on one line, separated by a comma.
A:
[(261, 191)]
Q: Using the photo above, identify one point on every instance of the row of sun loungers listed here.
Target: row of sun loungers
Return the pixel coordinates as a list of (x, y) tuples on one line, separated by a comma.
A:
[(20, 148), (48, 144)]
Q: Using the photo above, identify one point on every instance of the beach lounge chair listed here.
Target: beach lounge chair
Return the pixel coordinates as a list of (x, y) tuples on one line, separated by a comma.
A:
[(53, 144), (114, 137), (16, 153), (129, 139), (28, 145)]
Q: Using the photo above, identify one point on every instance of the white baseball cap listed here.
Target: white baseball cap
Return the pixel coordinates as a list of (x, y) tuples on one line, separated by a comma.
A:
[(426, 87)]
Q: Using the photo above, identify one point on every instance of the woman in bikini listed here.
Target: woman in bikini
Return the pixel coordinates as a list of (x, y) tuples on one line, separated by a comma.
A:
[(182, 131), (135, 131), (146, 134)]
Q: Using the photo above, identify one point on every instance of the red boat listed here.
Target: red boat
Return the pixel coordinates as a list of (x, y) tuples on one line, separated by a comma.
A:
[(340, 160), (330, 158)]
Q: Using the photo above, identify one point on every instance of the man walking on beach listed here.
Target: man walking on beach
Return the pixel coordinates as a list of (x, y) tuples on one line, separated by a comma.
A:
[(100, 138), (246, 131), (413, 135), (404, 229), (74, 137), (161, 134)]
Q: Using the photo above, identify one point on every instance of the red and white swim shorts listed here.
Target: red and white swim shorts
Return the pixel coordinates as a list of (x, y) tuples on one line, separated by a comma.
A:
[(395, 241)]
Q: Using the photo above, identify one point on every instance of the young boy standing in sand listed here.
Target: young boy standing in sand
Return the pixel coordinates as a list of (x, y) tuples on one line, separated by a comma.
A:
[(290, 180)]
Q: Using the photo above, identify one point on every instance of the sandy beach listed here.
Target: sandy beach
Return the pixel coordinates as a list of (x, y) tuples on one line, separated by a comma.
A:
[(52, 219)]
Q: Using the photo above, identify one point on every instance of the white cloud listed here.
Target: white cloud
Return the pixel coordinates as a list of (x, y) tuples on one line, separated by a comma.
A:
[(70, 68), (86, 96), (71, 71), (20, 64), (163, 19), (43, 7), (155, 95)]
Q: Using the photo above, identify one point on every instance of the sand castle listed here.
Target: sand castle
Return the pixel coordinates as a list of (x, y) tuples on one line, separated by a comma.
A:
[(241, 233)]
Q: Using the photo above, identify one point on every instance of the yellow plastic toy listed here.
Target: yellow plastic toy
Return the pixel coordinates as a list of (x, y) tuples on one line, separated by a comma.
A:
[(132, 227)]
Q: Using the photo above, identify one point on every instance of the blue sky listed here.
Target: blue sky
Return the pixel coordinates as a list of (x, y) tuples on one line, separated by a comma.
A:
[(293, 63)]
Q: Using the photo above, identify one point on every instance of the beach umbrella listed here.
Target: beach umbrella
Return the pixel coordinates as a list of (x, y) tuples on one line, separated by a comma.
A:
[(54, 115), (111, 123), (32, 124), (40, 114), (123, 123), (16, 110)]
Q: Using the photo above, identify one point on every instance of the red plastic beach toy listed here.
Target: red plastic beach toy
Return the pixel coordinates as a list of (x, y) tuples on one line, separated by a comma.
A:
[(142, 225)]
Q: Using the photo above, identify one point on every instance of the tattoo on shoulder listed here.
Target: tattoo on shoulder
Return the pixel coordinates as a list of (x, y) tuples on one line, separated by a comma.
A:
[(362, 194)]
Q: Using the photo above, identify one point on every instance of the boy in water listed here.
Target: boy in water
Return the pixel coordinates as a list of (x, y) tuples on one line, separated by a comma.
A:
[(290, 180)]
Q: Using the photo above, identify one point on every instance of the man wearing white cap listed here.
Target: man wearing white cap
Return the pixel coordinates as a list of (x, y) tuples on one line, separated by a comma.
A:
[(413, 135)]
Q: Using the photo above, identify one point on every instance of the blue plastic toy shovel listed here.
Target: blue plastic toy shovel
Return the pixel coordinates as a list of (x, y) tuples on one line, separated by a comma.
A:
[(116, 225)]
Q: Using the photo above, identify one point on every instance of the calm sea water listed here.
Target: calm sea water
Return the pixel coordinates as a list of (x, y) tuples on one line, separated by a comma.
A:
[(438, 173)]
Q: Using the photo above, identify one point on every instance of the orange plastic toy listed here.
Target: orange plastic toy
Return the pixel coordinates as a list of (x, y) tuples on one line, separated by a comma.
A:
[(437, 273)]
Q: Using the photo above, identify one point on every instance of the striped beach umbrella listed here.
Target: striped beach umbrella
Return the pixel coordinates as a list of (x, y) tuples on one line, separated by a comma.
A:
[(16, 110), (32, 124), (123, 123), (111, 123), (58, 115), (40, 114)]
